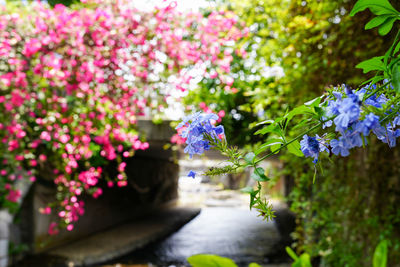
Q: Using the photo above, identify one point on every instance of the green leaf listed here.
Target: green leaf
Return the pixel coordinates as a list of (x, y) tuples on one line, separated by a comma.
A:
[(374, 63), (373, 80), (259, 175), (253, 264), (207, 260), (291, 253), (273, 128), (253, 200), (375, 22), (304, 260), (270, 142), (265, 122), (249, 158), (247, 190), (313, 103), (378, 7), (297, 111), (380, 254), (294, 148), (396, 49), (275, 148), (396, 77), (387, 26)]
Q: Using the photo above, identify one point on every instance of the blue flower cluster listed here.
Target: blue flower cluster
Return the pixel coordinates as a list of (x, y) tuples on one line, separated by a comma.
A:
[(198, 131), (312, 146), (353, 122)]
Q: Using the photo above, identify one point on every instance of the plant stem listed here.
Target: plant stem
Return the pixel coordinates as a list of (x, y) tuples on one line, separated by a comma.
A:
[(291, 141)]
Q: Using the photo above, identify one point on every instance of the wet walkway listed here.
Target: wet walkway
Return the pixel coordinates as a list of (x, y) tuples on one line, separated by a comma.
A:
[(225, 227)]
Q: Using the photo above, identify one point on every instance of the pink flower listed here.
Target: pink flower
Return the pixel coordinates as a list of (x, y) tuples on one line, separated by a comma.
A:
[(31, 47), (97, 193), (46, 210), (13, 195), (45, 136), (53, 229)]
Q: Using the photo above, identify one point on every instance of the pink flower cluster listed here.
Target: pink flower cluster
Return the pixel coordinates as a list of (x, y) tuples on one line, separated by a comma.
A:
[(73, 83)]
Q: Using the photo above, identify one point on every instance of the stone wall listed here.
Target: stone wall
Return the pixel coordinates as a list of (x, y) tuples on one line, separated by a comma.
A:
[(152, 183)]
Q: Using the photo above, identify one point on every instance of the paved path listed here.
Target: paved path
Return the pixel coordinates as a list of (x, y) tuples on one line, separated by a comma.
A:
[(225, 227)]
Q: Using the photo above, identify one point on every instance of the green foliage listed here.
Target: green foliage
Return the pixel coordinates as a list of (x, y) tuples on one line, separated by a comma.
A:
[(378, 7), (374, 63), (350, 207), (304, 260), (380, 254), (208, 260)]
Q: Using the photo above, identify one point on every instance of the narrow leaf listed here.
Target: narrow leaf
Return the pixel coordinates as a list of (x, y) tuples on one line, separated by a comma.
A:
[(396, 49), (374, 63), (387, 26), (265, 122), (291, 253), (396, 77), (375, 22), (380, 254)]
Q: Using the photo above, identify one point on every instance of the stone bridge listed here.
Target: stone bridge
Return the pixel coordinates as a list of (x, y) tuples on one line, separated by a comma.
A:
[(119, 221)]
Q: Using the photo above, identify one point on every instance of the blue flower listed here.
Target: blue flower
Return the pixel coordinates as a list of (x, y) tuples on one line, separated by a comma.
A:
[(387, 135), (349, 112), (191, 174), (198, 132), (310, 147), (340, 146), (365, 126)]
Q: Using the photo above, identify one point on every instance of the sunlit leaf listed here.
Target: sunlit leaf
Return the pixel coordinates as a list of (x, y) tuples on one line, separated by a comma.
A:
[(375, 22), (378, 7), (207, 260), (291, 253), (294, 148), (313, 103), (374, 63), (380, 254)]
